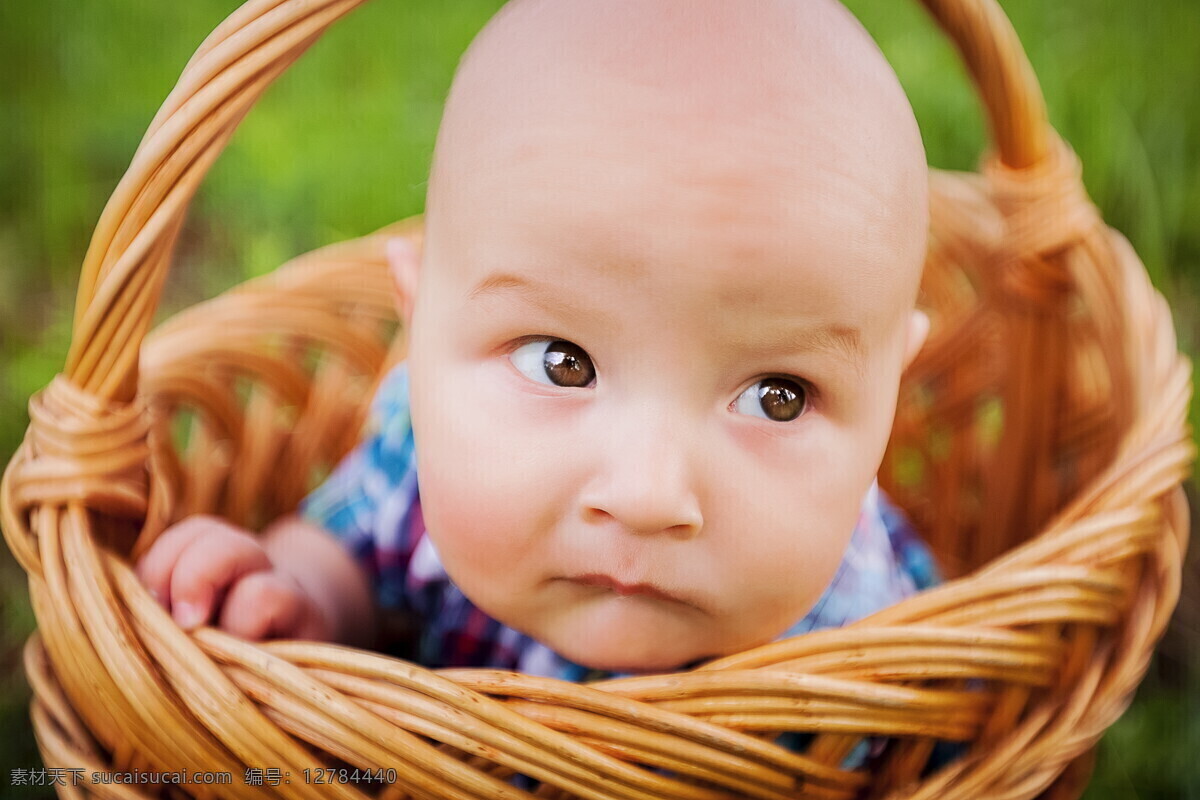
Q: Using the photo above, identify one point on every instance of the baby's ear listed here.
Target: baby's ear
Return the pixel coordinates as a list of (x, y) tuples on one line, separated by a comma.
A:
[(918, 330), (404, 264)]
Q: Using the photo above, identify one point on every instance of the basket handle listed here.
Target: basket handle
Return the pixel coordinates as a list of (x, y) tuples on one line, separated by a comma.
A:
[(130, 252)]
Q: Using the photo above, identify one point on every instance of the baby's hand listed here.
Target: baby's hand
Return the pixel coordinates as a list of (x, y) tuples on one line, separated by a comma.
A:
[(204, 567)]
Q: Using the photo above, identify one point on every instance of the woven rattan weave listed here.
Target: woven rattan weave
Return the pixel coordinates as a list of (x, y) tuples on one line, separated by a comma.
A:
[(1040, 445)]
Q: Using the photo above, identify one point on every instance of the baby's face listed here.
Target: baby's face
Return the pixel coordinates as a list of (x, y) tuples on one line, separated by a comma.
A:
[(652, 379)]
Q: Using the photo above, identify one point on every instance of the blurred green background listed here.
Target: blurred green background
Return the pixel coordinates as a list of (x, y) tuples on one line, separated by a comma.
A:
[(341, 146)]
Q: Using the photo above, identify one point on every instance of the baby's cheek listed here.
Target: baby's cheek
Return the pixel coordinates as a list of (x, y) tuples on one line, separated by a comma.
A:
[(480, 499), (787, 567), (462, 510)]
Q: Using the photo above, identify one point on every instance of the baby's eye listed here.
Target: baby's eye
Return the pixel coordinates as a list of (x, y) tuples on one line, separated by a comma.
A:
[(555, 362), (776, 399)]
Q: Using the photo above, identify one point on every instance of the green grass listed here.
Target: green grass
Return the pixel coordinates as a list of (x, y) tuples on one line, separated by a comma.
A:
[(341, 146)]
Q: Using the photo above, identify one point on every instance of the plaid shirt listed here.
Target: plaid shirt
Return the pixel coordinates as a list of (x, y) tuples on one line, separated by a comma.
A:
[(371, 502)]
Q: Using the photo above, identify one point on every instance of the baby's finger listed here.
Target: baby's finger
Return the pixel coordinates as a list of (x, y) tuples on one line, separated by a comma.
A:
[(155, 567), (271, 605), (207, 567)]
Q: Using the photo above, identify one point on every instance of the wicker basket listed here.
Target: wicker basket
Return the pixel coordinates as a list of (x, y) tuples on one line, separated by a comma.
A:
[(1040, 445)]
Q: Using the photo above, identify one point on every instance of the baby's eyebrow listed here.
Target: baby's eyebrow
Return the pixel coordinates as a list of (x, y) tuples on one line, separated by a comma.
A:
[(843, 340), (534, 292), (497, 282)]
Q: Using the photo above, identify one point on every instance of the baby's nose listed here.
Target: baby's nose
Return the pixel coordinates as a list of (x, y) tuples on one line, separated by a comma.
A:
[(646, 483)]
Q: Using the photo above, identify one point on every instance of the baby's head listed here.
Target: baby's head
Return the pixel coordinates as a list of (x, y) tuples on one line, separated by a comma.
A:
[(667, 293)]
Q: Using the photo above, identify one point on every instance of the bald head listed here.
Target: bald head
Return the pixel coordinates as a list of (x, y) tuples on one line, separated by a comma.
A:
[(769, 87), (709, 60), (754, 97)]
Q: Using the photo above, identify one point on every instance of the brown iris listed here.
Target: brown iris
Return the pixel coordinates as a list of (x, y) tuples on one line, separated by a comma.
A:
[(781, 400), (567, 364)]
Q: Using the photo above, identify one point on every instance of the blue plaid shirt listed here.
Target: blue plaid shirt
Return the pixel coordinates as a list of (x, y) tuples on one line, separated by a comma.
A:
[(372, 503)]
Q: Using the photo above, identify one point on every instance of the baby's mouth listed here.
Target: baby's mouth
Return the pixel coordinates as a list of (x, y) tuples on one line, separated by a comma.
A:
[(622, 589)]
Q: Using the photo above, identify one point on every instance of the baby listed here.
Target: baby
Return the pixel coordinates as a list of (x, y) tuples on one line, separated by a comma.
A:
[(656, 332)]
